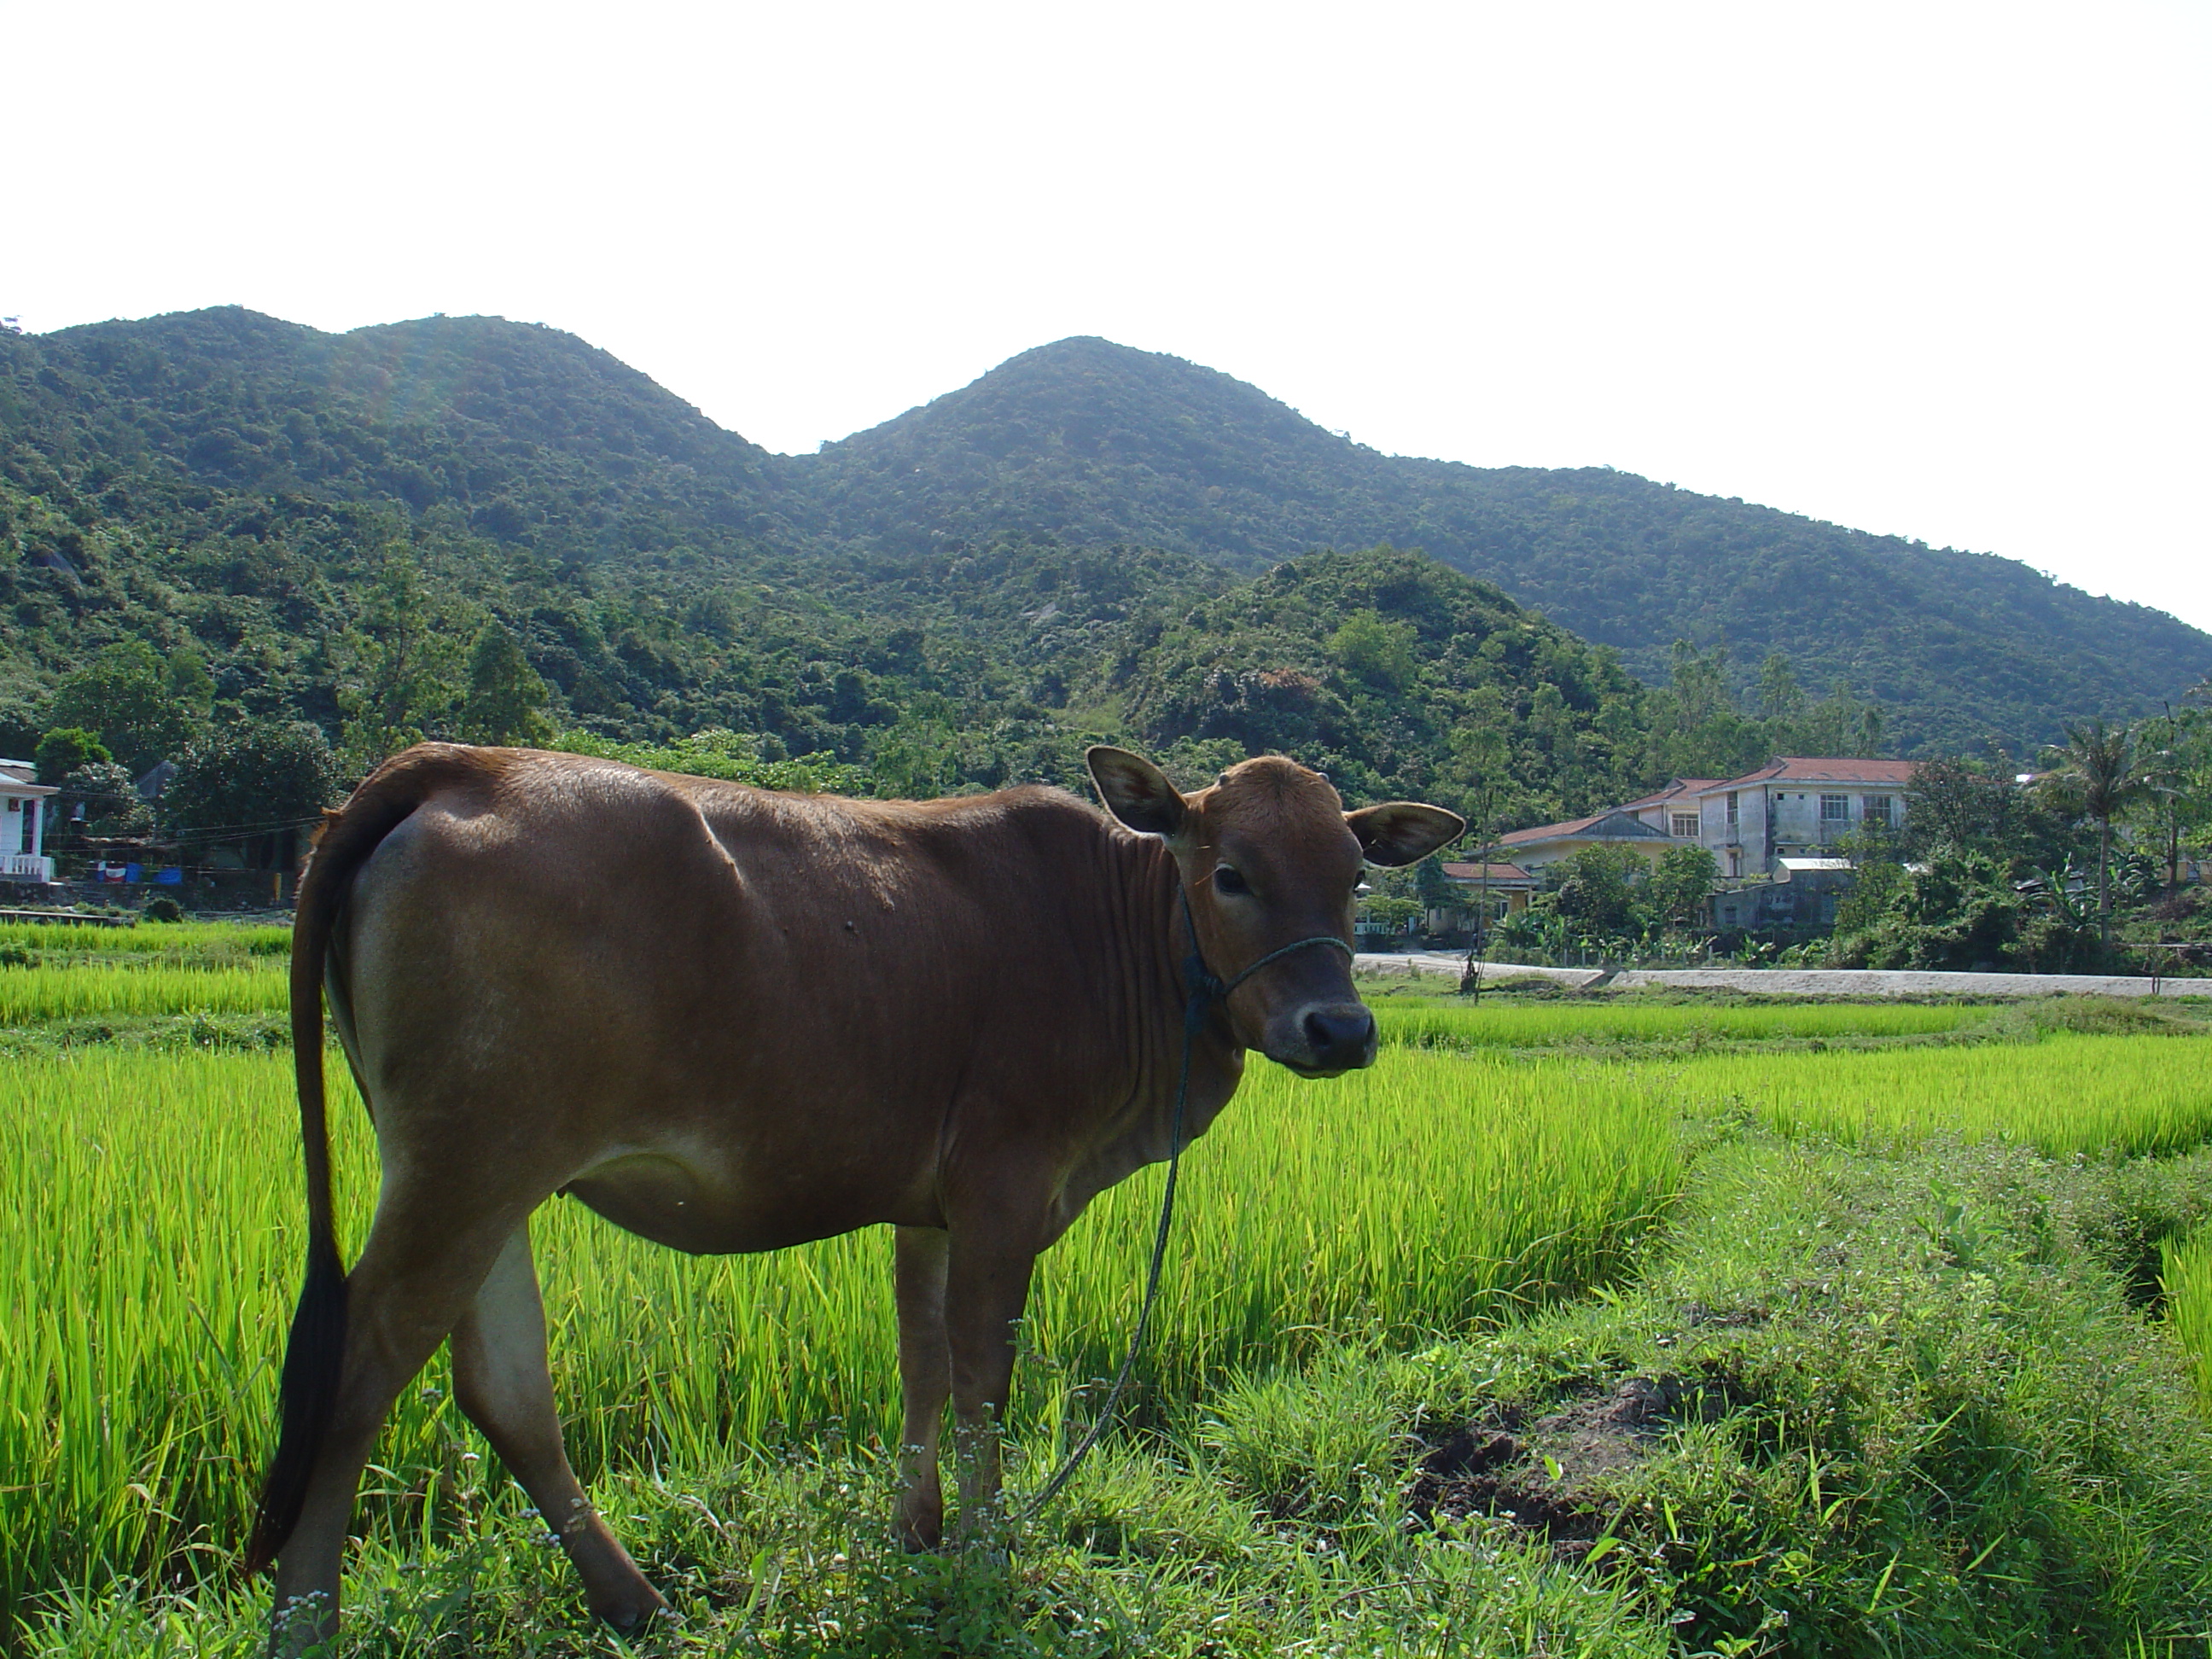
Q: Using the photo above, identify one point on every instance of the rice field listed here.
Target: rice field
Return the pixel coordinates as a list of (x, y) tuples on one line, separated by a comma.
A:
[(2185, 1276), (151, 1222), (2067, 1096), (50, 941), (150, 1234), (104, 991), (1500, 1023)]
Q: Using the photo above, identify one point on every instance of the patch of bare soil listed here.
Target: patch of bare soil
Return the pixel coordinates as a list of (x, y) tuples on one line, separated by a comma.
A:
[(1544, 1474)]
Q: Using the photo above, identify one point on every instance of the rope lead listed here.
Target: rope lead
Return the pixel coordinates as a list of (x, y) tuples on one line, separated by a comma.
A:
[(1206, 989)]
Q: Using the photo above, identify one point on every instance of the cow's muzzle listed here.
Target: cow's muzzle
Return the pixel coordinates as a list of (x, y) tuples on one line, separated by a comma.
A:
[(1326, 1040)]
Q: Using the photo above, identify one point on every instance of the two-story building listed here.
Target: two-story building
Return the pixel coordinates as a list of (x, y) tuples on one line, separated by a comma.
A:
[(1797, 807), (23, 822), (1773, 831)]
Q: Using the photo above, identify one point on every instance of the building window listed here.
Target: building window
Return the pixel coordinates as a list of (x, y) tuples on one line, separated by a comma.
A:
[(1734, 811), (1880, 809), (1835, 809), (1685, 826)]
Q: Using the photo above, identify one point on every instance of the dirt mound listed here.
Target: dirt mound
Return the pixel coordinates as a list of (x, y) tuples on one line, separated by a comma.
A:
[(1543, 1474)]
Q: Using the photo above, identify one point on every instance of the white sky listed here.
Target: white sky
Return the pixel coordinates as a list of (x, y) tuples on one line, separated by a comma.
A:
[(1933, 269)]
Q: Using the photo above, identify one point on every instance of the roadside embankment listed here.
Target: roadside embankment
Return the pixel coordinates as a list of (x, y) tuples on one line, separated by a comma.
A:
[(1797, 981)]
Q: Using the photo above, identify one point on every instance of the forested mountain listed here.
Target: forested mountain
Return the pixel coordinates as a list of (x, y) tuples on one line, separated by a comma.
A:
[(344, 530), (1092, 441), (392, 532)]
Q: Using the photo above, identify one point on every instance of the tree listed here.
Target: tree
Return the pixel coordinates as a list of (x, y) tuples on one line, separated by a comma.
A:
[(1697, 729), (1780, 697), (1594, 890), (124, 694), (190, 686), (1376, 649), (103, 791), (1958, 910), (2175, 758), (61, 751), (398, 671), (1954, 803), (2097, 778), (1681, 882), (506, 699), (1392, 912), (255, 787)]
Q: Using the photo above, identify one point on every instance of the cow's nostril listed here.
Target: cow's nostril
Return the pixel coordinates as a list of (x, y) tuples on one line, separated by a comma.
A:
[(1335, 1033)]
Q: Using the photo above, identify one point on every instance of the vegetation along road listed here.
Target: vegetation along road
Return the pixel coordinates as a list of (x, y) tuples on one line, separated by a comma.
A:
[(1627, 1325)]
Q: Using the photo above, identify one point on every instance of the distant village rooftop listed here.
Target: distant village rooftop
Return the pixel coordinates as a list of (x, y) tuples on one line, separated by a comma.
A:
[(1796, 807), (1798, 769)]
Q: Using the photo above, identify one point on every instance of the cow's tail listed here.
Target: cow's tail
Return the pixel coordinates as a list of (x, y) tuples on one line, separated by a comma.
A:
[(314, 1354)]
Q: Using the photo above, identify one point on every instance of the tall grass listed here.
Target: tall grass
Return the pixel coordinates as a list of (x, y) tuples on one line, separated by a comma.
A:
[(105, 991), (2185, 1277), (2066, 1096), (1499, 1023), (150, 1236), (170, 939)]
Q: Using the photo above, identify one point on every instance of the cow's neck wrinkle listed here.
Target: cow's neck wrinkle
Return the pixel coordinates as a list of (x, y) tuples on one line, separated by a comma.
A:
[(1150, 945)]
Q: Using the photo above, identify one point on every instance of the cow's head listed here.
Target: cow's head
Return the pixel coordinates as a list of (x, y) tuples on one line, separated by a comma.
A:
[(1269, 856)]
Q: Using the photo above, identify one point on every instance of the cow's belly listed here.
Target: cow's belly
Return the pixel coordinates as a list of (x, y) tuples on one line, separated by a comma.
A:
[(705, 1210)]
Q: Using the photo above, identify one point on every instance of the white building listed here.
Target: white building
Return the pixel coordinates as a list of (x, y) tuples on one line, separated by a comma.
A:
[(23, 824), (1797, 807)]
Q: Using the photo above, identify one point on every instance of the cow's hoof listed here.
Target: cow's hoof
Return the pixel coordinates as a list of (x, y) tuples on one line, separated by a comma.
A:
[(920, 1532), (629, 1613)]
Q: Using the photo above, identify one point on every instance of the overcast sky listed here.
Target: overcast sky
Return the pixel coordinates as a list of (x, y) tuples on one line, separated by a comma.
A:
[(1937, 270)]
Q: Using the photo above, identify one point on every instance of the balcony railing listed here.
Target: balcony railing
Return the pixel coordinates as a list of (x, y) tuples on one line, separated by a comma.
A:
[(25, 866)]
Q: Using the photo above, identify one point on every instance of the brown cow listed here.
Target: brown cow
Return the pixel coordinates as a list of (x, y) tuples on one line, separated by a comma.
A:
[(732, 1020)]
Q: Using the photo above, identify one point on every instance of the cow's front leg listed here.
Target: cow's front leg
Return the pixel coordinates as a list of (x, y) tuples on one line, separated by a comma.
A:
[(987, 1286), (925, 1381)]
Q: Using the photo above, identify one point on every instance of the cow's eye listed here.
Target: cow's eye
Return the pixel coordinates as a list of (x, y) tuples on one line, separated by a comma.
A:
[(1228, 881)]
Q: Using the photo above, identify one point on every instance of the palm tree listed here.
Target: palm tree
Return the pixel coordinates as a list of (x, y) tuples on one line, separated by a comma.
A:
[(2097, 777)]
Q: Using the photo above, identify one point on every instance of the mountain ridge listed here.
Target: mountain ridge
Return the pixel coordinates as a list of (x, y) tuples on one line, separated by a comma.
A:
[(1620, 560), (538, 442)]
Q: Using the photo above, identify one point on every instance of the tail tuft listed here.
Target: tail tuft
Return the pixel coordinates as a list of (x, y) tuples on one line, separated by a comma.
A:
[(314, 1359)]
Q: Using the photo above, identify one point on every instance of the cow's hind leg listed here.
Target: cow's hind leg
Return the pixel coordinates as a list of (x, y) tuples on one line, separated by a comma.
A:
[(500, 1380), (416, 1276), (925, 1381)]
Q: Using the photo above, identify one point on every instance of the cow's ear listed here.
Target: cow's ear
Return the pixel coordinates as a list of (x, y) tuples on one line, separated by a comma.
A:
[(1136, 791), (1403, 831)]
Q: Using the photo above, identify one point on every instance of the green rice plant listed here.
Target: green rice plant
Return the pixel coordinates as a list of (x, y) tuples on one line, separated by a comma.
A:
[(2185, 1276), (1497, 1023), (2068, 1096), (150, 1236), (104, 990), (178, 943)]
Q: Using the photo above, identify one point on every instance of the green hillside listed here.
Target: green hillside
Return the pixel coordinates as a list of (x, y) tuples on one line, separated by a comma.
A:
[(1090, 441), (332, 528), (345, 529)]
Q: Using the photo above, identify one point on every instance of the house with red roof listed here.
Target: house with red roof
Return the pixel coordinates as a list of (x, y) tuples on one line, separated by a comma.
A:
[(1797, 807), (1542, 844), (1776, 827)]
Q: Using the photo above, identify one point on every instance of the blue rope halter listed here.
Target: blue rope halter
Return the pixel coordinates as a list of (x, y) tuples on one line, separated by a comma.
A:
[(1204, 990)]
